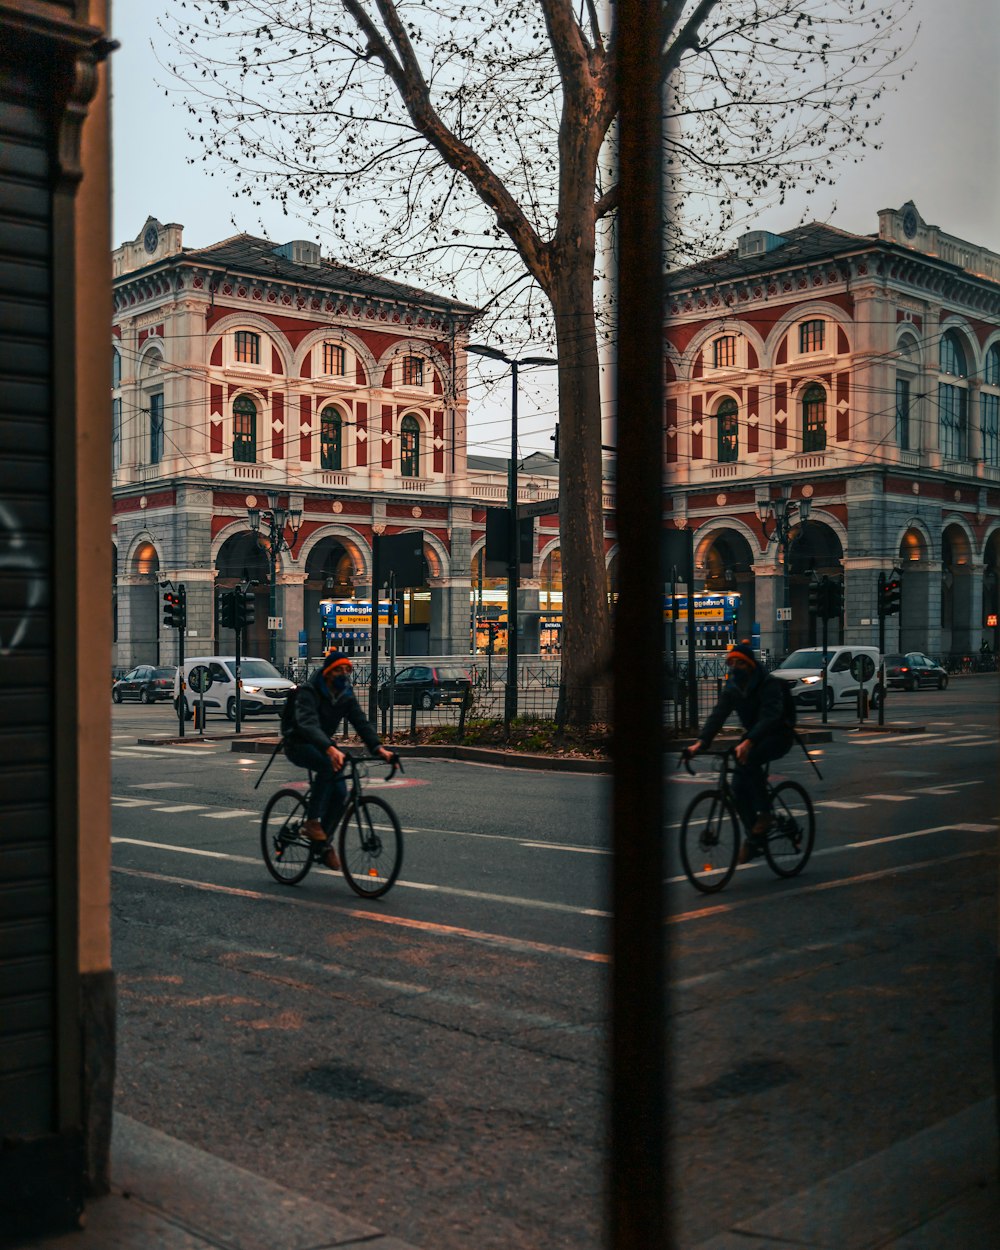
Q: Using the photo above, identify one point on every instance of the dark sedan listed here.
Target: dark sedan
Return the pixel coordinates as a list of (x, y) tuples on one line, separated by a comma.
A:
[(427, 685), (146, 684), (912, 670)]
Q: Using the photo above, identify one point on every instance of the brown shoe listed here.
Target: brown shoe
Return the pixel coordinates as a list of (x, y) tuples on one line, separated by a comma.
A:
[(762, 825), (314, 831), (332, 860)]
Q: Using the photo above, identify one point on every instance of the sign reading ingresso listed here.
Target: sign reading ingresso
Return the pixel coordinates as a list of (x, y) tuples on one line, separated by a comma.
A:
[(355, 614)]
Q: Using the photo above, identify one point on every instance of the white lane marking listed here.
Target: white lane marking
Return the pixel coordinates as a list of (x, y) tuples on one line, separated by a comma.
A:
[(838, 803), (158, 785), (186, 850), (951, 785), (133, 755), (561, 846), (181, 807), (131, 802), (201, 747), (970, 828), (891, 798), (230, 815)]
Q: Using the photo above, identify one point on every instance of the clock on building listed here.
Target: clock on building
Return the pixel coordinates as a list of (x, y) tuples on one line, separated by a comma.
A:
[(151, 238), (909, 223)]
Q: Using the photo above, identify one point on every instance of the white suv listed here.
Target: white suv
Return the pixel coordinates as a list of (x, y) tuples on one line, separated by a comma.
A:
[(803, 670), (263, 687)]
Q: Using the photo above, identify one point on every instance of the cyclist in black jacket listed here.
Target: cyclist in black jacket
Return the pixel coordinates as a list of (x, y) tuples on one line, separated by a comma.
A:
[(312, 716), (759, 701)]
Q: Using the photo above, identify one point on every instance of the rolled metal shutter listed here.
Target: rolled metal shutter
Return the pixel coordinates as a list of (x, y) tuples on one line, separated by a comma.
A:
[(28, 989)]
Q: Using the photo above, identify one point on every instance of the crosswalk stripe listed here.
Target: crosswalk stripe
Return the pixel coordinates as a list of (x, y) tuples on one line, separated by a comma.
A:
[(838, 803), (130, 802), (231, 815), (181, 807), (891, 798)]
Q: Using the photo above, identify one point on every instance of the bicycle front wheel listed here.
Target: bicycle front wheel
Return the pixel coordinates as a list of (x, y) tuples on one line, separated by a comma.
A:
[(790, 840), (287, 851), (371, 846), (710, 841)]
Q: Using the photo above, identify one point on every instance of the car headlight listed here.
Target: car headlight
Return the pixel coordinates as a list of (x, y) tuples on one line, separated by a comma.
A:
[(811, 681), (250, 689)]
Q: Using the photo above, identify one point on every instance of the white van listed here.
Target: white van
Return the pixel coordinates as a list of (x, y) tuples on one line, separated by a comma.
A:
[(803, 670), (264, 688)]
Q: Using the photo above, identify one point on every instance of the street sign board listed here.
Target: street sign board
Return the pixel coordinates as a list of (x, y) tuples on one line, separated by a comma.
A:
[(199, 679), (784, 614), (275, 622)]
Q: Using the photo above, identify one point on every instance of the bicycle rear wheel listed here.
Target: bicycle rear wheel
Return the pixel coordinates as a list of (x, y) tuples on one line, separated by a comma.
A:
[(371, 846), (287, 851), (790, 840), (710, 841)]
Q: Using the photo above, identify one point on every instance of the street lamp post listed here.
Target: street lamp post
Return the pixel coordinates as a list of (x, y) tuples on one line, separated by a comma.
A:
[(513, 545), (269, 529), (780, 513)]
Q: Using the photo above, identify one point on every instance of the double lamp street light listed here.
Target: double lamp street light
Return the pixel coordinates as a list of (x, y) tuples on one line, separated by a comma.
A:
[(513, 554), (268, 527)]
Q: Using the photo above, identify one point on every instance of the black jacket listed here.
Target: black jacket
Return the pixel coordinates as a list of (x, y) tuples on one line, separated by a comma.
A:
[(315, 716), (760, 708)]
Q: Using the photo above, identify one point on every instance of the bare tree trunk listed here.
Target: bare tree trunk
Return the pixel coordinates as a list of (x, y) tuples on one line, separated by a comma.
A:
[(586, 635)]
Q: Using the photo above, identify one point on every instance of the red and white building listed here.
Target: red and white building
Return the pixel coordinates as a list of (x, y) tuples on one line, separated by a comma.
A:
[(245, 367), (859, 372)]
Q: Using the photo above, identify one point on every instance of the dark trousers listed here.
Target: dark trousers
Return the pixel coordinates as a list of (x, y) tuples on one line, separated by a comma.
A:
[(749, 785), (329, 790)]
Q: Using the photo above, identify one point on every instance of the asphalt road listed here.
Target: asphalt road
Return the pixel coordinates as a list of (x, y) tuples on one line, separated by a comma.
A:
[(434, 1062)]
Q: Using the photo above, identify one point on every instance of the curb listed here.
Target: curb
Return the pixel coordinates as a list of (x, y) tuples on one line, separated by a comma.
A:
[(469, 755)]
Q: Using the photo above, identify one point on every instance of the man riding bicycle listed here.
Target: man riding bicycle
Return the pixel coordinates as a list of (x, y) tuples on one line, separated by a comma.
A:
[(764, 708), (312, 716)]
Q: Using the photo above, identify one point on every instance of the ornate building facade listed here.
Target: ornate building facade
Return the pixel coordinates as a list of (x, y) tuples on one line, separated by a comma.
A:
[(860, 373), (246, 367)]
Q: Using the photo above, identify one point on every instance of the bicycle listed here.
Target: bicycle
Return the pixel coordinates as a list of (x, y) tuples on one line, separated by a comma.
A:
[(371, 854), (711, 831)]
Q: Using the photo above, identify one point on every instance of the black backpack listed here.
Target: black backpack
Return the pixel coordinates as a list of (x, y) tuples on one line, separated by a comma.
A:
[(788, 710), (288, 712)]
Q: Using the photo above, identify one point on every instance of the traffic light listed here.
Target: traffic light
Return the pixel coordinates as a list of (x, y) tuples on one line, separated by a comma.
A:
[(891, 593), (227, 609), (245, 608), (171, 610), (815, 597), (831, 599)]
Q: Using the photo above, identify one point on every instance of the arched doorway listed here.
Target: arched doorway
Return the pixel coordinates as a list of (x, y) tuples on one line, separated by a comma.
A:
[(489, 607), (914, 621), (725, 563), (143, 629), (991, 594), (957, 593), (550, 600), (814, 552), (241, 560), (331, 569)]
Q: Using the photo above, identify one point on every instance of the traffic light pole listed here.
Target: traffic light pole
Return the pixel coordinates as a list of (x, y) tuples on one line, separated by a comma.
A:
[(824, 602), (239, 612), (182, 630), (881, 646)]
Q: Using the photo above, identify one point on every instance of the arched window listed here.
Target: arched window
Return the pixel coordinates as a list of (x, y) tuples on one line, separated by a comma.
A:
[(953, 398), (409, 447), (728, 435), (156, 427), (116, 369), (245, 430), (814, 418), (331, 425), (953, 355), (989, 407)]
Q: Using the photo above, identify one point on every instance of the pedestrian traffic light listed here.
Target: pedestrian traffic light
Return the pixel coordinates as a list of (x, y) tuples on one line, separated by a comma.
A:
[(227, 609), (891, 593), (171, 609), (815, 597)]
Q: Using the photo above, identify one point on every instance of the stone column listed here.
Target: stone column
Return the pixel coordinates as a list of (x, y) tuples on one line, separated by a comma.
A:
[(139, 621), (291, 609), (861, 602), (768, 591), (199, 592), (919, 622)]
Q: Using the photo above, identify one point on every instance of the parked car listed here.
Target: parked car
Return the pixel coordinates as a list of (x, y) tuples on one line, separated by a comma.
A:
[(914, 669), (429, 684), (803, 670), (263, 687), (146, 683)]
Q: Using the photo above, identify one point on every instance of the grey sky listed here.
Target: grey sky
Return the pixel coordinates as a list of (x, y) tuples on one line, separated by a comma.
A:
[(940, 136)]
